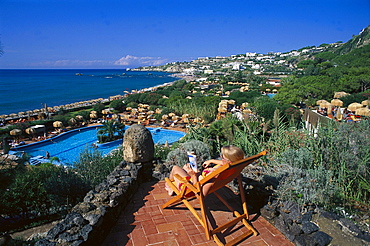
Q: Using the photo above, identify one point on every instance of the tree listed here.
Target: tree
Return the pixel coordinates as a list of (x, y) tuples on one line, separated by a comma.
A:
[(117, 104), (108, 131)]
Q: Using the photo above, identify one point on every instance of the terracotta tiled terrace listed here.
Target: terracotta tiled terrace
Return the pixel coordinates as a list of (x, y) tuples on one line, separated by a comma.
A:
[(144, 222)]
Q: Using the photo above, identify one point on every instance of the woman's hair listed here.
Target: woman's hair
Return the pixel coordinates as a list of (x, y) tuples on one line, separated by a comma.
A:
[(232, 153)]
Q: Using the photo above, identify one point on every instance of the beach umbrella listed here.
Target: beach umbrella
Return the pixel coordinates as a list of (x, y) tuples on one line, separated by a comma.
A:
[(72, 121), (158, 111), (79, 117), (41, 115), (340, 94), (325, 105), (197, 120), (337, 102), (13, 115), (222, 109), (93, 112), (247, 111), (188, 97), (186, 120), (354, 106), (15, 132), (30, 131), (93, 116), (164, 117), (321, 102), (185, 116), (115, 116), (365, 102), (171, 114), (245, 105), (57, 124), (362, 112)]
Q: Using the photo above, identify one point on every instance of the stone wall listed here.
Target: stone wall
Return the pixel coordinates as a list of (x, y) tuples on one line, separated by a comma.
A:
[(90, 221), (309, 225)]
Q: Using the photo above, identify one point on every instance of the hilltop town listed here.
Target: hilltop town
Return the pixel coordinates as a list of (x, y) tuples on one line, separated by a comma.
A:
[(271, 64)]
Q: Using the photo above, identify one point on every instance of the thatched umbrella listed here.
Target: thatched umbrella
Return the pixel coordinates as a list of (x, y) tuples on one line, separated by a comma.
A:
[(171, 114), (222, 109), (340, 94), (93, 116), (158, 111), (72, 121), (325, 105), (41, 115), (115, 117), (57, 124), (337, 102), (197, 120), (362, 111), (79, 117), (30, 131), (93, 112), (15, 132), (232, 102), (365, 102), (164, 117), (354, 106), (245, 105), (322, 101)]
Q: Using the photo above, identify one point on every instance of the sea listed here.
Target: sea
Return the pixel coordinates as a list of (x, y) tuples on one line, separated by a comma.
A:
[(28, 89)]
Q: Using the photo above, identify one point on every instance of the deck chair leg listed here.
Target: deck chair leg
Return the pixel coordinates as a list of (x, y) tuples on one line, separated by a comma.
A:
[(204, 213), (242, 195)]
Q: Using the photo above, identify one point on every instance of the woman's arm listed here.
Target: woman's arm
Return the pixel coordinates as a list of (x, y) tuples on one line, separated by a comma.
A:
[(212, 161)]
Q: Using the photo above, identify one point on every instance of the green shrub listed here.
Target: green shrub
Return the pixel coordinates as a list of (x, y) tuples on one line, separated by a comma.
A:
[(179, 155)]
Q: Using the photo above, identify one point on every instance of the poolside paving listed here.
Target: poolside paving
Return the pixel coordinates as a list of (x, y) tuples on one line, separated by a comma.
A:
[(144, 222)]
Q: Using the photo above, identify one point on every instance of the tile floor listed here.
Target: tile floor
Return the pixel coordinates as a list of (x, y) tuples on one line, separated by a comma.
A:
[(144, 222)]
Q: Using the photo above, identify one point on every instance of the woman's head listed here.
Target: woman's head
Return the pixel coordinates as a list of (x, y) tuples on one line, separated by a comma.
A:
[(232, 153)]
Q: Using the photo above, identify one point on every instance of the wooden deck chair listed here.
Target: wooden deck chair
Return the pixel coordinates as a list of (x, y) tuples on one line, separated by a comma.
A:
[(223, 176)]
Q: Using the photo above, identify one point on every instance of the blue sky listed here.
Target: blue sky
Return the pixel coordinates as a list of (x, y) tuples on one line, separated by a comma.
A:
[(132, 33)]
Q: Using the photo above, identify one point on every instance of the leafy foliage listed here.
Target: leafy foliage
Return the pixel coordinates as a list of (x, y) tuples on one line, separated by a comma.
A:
[(93, 167), (179, 155)]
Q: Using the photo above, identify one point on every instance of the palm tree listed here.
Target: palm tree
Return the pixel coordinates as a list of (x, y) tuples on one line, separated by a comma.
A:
[(109, 129)]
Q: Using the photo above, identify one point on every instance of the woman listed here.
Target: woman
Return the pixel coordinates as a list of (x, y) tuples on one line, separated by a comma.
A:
[(229, 154)]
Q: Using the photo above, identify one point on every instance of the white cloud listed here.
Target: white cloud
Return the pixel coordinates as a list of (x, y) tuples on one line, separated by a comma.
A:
[(134, 60)]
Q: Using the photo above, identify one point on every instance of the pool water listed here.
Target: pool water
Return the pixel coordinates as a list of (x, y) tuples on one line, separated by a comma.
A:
[(68, 146)]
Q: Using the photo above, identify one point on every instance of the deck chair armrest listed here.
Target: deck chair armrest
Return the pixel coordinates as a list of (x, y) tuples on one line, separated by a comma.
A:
[(186, 183)]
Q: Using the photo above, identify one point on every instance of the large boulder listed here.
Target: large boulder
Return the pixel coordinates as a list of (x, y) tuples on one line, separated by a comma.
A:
[(138, 145)]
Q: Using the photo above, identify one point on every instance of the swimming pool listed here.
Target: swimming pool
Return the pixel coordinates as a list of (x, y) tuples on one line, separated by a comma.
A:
[(68, 146)]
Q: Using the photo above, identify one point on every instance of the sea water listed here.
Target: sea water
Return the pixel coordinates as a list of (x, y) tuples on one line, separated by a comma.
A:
[(24, 89)]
